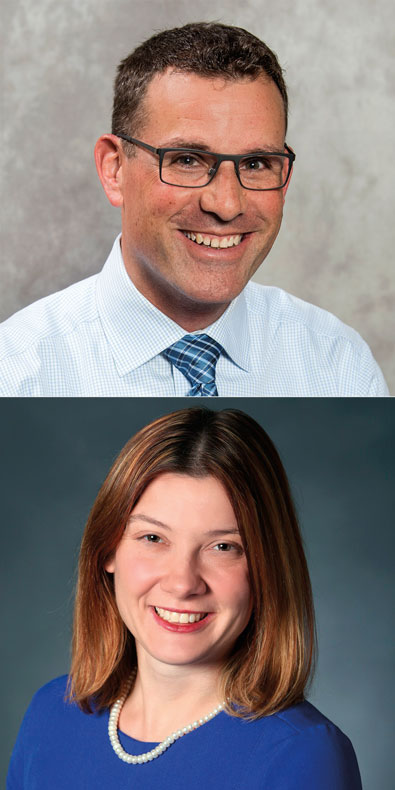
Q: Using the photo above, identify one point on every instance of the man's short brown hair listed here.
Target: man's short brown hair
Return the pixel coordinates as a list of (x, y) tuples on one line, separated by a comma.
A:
[(206, 48)]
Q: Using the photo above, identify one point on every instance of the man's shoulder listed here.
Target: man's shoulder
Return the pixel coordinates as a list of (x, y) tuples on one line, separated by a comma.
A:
[(54, 315), (277, 306)]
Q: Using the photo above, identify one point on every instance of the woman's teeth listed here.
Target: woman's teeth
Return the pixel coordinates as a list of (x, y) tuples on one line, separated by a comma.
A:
[(220, 242), (179, 617)]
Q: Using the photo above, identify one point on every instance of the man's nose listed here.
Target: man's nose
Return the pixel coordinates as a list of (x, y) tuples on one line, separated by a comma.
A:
[(183, 577), (224, 195)]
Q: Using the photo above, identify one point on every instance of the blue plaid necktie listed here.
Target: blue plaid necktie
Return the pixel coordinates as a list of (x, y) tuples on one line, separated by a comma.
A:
[(196, 356)]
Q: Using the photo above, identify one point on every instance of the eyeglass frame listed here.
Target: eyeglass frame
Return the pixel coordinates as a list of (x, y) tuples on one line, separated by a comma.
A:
[(235, 158)]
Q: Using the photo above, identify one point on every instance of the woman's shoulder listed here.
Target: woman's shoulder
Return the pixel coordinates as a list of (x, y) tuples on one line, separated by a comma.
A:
[(50, 702), (294, 720), (52, 725), (304, 717), (54, 689), (300, 741), (51, 695), (300, 722), (52, 717)]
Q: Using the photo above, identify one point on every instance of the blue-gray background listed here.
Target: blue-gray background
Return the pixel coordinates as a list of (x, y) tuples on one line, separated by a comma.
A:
[(339, 455), (336, 247)]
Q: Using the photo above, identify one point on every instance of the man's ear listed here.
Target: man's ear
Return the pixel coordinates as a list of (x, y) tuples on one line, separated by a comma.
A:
[(284, 190), (109, 157)]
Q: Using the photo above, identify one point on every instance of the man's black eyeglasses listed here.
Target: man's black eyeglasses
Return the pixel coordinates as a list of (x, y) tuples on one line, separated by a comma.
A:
[(188, 167)]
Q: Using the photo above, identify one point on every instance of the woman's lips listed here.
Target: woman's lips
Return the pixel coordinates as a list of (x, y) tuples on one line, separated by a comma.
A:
[(178, 627), (181, 616)]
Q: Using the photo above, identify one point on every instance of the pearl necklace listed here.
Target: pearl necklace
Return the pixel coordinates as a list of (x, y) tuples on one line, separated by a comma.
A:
[(137, 759)]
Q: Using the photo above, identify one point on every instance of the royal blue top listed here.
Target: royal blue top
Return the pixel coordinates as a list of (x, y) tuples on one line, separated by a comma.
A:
[(61, 748)]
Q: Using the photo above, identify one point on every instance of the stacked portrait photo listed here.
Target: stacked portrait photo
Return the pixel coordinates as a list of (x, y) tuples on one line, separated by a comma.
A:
[(196, 370)]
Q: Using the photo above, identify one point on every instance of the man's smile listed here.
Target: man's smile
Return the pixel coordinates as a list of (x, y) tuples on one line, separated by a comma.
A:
[(210, 240), (211, 247)]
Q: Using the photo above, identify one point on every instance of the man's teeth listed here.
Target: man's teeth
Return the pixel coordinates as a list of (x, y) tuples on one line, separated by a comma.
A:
[(214, 241), (177, 617)]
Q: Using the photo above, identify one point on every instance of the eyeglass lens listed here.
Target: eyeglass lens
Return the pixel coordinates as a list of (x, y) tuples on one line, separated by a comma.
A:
[(260, 171)]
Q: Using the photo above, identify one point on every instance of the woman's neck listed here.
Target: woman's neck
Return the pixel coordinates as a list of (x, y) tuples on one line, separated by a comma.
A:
[(165, 698)]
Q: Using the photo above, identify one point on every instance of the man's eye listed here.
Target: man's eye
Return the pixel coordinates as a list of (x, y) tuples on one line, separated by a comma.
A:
[(186, 160), (258, 163)]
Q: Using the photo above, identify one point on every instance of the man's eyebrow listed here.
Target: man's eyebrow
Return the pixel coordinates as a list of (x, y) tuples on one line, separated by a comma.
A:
[(271, 149), (179, 142)]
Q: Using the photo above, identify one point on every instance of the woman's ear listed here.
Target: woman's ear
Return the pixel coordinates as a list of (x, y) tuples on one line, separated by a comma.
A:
[(109, 566)]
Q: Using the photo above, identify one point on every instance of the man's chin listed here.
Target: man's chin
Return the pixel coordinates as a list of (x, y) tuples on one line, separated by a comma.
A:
[(218, 295), (197, 308)]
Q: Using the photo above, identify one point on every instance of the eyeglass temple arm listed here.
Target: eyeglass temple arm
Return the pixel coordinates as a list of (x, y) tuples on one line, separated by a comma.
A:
[(290, 151), (138, 142)]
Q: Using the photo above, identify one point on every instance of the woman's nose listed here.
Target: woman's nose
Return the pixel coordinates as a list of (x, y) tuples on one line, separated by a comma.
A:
[(184, 578)]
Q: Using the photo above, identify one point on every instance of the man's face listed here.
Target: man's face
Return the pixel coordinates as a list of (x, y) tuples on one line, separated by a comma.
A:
[(174, 272)]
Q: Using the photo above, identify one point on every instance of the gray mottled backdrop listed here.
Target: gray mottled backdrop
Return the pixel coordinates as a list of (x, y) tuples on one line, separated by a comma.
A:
[(337, 244), (339, 457)]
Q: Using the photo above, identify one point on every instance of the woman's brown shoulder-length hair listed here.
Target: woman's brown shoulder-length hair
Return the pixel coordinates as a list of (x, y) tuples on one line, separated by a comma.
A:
[(272, 659)]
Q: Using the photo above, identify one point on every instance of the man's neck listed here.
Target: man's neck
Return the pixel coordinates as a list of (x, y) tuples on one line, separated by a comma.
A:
[(189, 314)]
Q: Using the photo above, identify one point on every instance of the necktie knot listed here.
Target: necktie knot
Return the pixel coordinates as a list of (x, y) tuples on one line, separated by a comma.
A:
[(196, 357)]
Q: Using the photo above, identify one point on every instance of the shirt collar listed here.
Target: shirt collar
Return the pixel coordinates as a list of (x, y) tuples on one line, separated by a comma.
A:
[(137, 331)]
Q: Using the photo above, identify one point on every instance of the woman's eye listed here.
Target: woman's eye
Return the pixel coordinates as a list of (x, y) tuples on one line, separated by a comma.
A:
[(152, 538), (224, 547)]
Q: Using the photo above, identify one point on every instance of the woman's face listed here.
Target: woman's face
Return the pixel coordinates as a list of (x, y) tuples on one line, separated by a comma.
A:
[(180, 572)]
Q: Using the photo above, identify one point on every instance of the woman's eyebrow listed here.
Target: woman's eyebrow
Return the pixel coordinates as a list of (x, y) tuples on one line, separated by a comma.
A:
[(148, 519), (218, 532), (207, 533)]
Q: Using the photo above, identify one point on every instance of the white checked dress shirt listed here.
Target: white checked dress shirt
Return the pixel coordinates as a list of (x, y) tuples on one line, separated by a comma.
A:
[(101, 337)]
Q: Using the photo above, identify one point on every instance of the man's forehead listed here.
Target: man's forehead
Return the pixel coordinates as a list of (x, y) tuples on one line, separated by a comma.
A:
[(180, 104)]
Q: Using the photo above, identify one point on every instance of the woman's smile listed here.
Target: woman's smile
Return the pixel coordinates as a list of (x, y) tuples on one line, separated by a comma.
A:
[(174, 616), (181, 622)]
